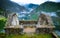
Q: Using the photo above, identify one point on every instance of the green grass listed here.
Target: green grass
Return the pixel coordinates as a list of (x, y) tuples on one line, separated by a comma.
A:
[(59, 36), (30, 36)]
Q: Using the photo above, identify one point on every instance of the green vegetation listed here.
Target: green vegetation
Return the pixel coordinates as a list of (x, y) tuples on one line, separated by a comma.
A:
[(34, 17), (30, 36), (3, 12), (2, 22), (47, 7), (59, 36)]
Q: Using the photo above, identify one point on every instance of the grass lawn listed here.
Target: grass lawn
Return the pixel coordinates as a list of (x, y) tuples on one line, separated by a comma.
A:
[(30, 36), (59, 36)]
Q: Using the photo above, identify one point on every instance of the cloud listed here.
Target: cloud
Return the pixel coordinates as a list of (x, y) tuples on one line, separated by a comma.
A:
[(29, 1), (55, 0), (33, 1)]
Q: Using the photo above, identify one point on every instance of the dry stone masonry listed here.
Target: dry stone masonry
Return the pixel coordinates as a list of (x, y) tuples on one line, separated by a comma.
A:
[(43, 25)]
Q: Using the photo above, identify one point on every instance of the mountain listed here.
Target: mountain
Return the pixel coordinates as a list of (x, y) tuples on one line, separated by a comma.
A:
[(11, 6), (46, 7), (56, 21), (26, 15), (23, 11), (32, 5), (50, 8), (7, 7)]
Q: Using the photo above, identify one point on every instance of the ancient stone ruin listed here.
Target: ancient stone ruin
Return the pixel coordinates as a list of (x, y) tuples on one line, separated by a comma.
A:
[(43, 25), (12, 25)]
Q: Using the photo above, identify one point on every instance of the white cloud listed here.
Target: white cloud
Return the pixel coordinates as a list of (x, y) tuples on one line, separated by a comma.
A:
[(29, 1), (33, 1)]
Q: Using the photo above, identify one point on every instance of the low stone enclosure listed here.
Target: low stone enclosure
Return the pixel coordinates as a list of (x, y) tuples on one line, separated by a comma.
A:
[(28, 30), (43, 25)]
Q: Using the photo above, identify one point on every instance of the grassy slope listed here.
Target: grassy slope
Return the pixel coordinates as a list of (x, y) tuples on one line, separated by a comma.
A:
[(58, 36), (30, 36)]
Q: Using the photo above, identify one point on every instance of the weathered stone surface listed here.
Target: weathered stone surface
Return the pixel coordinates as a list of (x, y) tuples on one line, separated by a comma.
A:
[(43, 25)]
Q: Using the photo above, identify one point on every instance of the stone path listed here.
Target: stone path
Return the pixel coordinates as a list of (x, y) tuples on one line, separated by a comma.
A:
[(29, 30)]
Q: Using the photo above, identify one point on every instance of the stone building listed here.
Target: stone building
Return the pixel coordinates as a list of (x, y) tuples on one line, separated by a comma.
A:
[(44, 24), (12, 25)]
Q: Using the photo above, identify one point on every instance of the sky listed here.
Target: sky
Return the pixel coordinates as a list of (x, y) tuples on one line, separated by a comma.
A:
[(33, 1)]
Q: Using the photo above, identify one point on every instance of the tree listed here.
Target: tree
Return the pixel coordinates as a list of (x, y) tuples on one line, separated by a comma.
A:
[(2, 22)]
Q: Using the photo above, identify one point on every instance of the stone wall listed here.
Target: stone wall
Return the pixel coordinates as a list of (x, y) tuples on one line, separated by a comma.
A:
[(9, 31), (44, 30)]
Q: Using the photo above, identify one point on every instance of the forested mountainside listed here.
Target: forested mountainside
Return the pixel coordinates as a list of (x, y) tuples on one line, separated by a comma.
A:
[(7, 6)]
